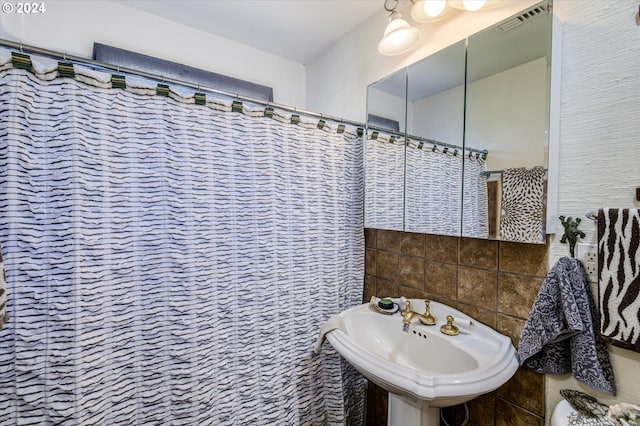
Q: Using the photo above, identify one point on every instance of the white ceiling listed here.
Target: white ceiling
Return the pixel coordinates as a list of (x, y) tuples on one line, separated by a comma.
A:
[(294, 29)]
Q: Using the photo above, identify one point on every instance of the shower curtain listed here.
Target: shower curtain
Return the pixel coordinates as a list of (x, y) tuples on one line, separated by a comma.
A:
[(435, 202), (384, 184), (167, 262)]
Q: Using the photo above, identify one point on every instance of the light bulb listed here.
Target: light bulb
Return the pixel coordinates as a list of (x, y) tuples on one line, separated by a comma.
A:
[(473, 5), (433, 8), (398, 37)]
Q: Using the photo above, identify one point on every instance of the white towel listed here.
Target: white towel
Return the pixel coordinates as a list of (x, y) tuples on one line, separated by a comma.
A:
[(4, 317), (559, 335), (333, 323), (619, 276)]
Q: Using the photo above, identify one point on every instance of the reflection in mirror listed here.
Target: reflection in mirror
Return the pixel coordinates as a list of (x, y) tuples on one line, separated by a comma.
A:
[(435, 122), (507, 113), (384, 153)]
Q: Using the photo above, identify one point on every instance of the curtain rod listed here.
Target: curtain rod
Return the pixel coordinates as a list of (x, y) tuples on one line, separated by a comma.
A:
[(431, 141), (84, 61), (497, 172)]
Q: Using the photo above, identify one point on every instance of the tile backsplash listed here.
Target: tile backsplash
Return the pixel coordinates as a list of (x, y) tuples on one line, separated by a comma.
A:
[(493, 281)]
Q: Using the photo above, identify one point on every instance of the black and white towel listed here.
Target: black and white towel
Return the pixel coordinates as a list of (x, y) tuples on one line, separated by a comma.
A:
[(559, 335), (619, 276), (4, 317), (522, 204)]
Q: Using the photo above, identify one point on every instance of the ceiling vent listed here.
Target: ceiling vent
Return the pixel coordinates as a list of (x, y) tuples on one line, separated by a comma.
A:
[(525, 17)]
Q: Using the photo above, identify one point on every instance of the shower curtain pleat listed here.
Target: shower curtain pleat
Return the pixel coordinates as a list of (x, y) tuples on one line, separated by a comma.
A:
[(475, 209), (171, 263), (433, 192)]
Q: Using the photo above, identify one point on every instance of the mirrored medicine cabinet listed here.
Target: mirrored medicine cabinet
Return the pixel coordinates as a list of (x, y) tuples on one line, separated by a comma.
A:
[(464, 142)]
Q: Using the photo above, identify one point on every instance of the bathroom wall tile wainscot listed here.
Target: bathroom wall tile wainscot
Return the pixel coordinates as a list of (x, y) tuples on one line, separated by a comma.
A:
[(493, 281)]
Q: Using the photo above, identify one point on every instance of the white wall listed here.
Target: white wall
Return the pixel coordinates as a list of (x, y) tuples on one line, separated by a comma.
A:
[(599, 137), (600, 131), (73, 26), (440, 116), (384, 104), (507, 115)]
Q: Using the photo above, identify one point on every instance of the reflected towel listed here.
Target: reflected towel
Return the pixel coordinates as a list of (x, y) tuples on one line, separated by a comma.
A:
[(619, 276), (4, 317), (522, 205), (558, 337), (333, 323)]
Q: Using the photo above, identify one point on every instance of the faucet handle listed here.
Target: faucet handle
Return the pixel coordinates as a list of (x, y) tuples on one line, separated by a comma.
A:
[(449, 329), (428, 318), (407, 308)]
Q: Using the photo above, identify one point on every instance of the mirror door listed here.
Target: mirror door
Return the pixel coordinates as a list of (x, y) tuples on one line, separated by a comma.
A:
[(385, 153), (435, 124), (507, 113)]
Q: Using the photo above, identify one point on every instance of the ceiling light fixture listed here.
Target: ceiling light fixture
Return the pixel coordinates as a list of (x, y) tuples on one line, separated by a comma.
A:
[(470, 5), (399, 36), (426, 11)]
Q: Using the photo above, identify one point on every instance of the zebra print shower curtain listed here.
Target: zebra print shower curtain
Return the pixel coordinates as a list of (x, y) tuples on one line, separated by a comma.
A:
[(412, 188), (167, 262)]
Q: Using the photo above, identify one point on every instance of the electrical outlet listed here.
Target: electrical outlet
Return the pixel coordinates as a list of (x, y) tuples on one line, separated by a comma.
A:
[(588, 255)]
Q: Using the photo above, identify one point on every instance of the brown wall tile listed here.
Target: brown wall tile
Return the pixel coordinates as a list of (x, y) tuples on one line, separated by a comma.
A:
[(530, 259), (485, 316), (482, 409), (388, 240), (477, 287), (370, 237), (369, 287), (411, 272), (508, 414), (516, 294), (412, 244), (441, 279), (370, 261), (412, 293), (387, 266), (385, 288), (525, 389), (449, 302), (511, 327), (481, 253), (442, 248)]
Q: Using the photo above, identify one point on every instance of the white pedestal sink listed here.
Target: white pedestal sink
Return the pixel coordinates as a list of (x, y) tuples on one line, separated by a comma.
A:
[(423, 369)]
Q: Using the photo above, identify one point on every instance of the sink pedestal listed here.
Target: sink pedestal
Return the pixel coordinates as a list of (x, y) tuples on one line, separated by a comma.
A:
[(407, 411)]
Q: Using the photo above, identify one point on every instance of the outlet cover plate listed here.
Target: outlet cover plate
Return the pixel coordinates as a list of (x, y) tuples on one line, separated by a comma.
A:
[(588, 255)]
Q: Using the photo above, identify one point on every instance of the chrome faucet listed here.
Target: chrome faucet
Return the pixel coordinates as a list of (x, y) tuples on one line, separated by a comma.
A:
[(408, 315)]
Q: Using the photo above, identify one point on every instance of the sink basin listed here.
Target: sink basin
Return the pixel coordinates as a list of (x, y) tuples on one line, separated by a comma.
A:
[(423, 367)]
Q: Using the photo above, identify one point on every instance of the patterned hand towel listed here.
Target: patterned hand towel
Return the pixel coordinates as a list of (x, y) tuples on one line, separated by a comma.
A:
[(522, 205), (559, 335), (619, 276), (4, 317)]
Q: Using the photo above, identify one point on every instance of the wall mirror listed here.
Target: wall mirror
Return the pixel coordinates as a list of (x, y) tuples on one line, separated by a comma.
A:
[(385, 152), (507, 113), (479, 141), (435, 123)]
